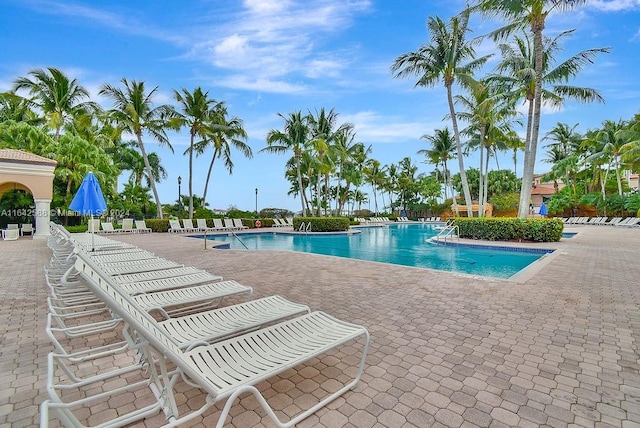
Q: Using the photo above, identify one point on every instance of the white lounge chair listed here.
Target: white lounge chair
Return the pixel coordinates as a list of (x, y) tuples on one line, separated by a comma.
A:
[(202, 225), (174, 226), (225, 369), (228, 224), (237, 223), (217, 224), (188, 225), (141, 227), (127, 225), (107, 227), (93, 225)]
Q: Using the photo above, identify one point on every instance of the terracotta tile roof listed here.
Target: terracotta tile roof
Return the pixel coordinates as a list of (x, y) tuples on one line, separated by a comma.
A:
[(20, 156), (541, 190)]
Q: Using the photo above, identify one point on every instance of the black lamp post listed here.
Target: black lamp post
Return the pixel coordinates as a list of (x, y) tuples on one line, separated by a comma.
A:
[(256, 201), (179, 197)]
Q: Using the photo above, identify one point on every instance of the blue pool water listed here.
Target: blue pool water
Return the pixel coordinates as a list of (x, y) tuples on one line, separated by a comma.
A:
[(402, 244)]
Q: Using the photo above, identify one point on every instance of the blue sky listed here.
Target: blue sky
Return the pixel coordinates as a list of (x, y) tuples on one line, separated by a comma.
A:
[(264, 57)]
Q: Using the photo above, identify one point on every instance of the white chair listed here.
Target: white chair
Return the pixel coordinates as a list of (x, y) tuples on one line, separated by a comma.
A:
[(188, 225), (141, 227), (217, 224), (107, 227), (26, 228), (93, 225), (10, 234), (202, 225), (238, 224), (127, 225), (174, 226), (228, 224), (223, 370)]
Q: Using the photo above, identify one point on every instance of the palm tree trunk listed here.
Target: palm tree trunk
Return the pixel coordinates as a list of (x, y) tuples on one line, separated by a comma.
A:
[(302, 193), (485, 192), (456, 134), (481, 173), (206, 183), (190, 177), (152, 179), (532, 146)]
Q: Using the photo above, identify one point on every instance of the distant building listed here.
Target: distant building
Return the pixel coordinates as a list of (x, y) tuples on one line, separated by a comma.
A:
[(543, 190)]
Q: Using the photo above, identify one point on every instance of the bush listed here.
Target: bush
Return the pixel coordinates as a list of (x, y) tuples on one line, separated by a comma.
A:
[(157, 224), (323, 224), (510, 229), (77, 229)]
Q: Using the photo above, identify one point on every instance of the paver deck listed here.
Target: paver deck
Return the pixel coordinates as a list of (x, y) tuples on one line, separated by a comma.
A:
[(558, 348)]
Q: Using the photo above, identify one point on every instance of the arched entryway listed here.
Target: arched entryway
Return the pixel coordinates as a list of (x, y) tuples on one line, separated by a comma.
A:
[(20, 170)]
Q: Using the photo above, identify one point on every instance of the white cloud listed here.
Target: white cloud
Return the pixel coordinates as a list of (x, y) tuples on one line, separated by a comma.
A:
[(614, 5), (372, 127)]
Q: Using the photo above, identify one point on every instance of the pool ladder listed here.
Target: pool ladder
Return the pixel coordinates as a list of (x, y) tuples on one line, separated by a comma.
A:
[(305, 227), (450, 230)]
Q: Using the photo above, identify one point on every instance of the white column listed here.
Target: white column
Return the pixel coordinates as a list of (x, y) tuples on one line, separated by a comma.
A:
[(42, 215)]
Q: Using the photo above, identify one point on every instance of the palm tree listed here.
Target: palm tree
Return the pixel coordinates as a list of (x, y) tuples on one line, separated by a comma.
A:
[(293, 137), (344, 149), (14, 107), (375, 175), (226, 132), (610, 141), (444, 59), (196, 111), (488, 112), (323, 133), (519, 15), (442, 150), (133, 112), (56, 95)]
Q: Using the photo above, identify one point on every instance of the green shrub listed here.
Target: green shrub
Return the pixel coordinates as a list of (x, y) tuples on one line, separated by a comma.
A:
[(510, 229), (157, 224), (77, 229), (323, 224)]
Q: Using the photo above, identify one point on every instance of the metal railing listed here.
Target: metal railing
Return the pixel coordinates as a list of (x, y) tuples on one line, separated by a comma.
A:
[(449, 230)]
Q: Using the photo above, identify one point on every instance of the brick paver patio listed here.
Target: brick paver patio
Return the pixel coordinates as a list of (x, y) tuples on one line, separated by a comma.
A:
[(558, 348)]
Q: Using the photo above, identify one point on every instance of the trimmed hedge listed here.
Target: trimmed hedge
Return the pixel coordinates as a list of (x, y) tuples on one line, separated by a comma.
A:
[(323, 224), (510, 229), (157, 224)]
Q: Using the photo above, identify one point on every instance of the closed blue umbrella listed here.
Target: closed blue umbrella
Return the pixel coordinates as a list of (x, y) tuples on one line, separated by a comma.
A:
[(89, 199), (543, 209)]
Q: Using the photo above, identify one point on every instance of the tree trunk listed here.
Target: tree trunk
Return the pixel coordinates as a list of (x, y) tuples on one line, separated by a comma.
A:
[(463, 173), (206, 183), (190, 178), (152, 179), (302, 194)]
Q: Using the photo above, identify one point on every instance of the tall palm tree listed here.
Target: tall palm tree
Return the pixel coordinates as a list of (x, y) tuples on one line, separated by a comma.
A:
[(324, 131), (133, 112), (375, 174), (196, 112), (226, 132), (294, 137), (56, 95), (611, 141), (14, 107), (344, 149), (520, 15), (443, 59), (442, 151), (488, 112)]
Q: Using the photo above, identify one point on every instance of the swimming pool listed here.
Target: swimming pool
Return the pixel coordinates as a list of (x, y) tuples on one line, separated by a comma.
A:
[(402, 244)]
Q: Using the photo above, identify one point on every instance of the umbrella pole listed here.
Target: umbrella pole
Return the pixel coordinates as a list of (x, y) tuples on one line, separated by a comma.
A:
[(92, 232)]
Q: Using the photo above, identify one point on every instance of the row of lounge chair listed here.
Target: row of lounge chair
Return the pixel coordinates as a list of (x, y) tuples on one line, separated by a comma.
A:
[(604, 221), (218, 225), (430, 219), (97, 226), (372, 219), (170, 330), (282, 222)]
